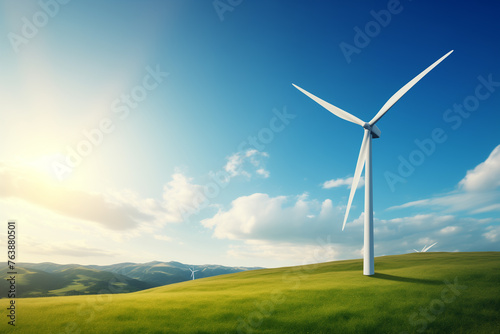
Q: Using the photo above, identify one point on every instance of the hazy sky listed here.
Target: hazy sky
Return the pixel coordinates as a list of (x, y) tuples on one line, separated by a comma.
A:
[(170, 130)]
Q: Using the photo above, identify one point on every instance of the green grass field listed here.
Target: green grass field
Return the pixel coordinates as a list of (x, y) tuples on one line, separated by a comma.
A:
[(412, 293)]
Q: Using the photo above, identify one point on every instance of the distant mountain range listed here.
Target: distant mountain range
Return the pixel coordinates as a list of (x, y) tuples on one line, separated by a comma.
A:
[(76, 280), (162, 273), (51, 279)]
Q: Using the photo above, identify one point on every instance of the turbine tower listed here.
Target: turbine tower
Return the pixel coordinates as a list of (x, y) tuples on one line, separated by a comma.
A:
[(192, 272), (365, 157)]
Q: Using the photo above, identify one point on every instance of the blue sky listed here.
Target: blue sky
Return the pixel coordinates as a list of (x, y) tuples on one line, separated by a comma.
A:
[(170, 130)]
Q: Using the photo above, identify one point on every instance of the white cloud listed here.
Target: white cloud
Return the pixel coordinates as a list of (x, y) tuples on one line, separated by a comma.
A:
[(425, 241), (233, 165), (493, 234), (264, 173), (450, 230), (488, 208), (456, 201), (486, 176), (287, 228), (260, 217), (476, 193), (121, 211), (24, 183), (75, 248), (244, 162), (422, 202), (343, 182), (288, 219), (163, 238), (181, 197)]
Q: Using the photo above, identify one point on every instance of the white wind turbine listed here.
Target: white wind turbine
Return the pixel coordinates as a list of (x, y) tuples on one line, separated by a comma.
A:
[(425, 249), (365, 157), (192, 272)]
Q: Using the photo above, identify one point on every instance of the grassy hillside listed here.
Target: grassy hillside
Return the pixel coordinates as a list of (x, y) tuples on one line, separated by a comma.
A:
[(69, 281), (412, 293)]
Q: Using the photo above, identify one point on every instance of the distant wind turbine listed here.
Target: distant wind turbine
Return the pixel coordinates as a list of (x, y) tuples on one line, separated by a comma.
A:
[(192, 272), (365, 157), (425, 249)]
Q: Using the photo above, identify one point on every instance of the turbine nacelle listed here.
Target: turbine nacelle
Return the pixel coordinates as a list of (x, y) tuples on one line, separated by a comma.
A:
[(375, 131)]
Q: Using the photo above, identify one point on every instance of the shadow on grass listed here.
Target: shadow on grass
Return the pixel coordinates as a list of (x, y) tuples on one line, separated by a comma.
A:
[(405, 279)]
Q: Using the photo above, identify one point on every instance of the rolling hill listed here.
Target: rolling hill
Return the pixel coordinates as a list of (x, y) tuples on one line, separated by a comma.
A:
[(70, 280), (411, 293)]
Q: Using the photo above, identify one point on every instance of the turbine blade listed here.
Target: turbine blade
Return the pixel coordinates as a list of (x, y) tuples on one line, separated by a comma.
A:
[(357, 174), (416, 250), (403, 90), (333, 109), (429, 247), (423, 249)]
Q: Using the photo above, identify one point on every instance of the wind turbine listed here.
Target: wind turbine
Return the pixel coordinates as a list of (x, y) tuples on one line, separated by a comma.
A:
[(425, 249), (192, 272), (365, 157)]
